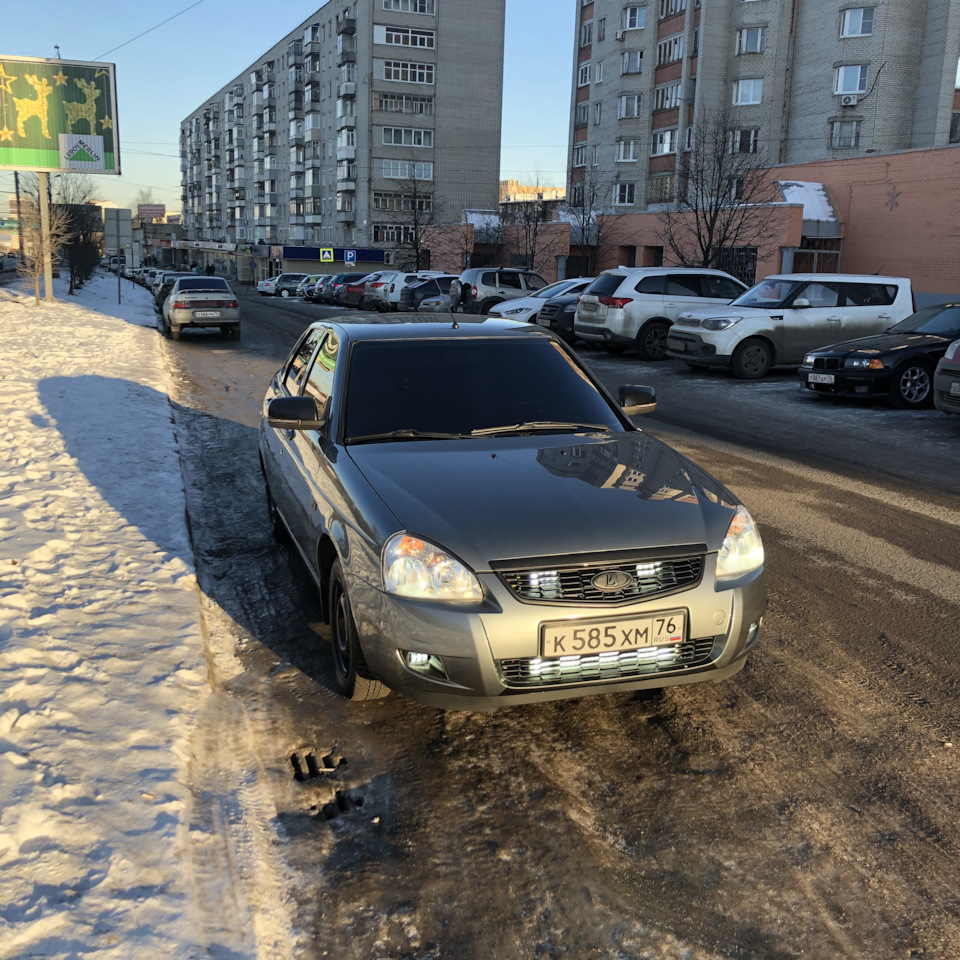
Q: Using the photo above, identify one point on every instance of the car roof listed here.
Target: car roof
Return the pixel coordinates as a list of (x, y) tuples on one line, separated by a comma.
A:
[(835, 277), (414, 326), (653, 271)]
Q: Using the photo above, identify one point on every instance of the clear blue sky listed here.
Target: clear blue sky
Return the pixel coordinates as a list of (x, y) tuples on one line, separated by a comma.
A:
[(165, 74)]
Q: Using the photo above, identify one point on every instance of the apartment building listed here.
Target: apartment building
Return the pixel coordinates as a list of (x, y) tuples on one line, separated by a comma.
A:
[(796, 80), (365, 109)]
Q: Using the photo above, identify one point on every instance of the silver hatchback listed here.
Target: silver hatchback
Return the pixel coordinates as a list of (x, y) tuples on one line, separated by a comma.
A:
[(486, 526)]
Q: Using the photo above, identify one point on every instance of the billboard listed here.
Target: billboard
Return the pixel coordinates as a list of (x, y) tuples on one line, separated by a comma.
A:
[(58, 116), (151, 211)]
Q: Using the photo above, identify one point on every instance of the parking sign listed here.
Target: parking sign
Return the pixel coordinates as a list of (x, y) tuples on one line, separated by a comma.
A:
[(350, 256)]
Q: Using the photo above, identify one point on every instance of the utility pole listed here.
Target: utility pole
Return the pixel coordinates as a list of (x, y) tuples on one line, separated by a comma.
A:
[(45, 236)]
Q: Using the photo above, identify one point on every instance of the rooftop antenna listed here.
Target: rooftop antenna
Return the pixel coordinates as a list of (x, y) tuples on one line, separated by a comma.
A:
[(56, 47)]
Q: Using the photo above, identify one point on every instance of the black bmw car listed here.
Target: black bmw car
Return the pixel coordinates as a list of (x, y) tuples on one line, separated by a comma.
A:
[(897, 364)]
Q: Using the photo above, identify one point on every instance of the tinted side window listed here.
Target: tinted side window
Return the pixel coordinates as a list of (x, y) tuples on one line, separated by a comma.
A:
[(533, 282), (870, 294), (511, 280), (300, 360), (652, 284), (720, 288), (681, 285), (606, 285), (319, 383), (488, 279)]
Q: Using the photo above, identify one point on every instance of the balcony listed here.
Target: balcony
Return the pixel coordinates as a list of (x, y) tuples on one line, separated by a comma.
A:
[(313, 190), (346, 56), (344, 185), (313, 218), (347, 25), (296, 193), (347, 89), (313, 133), (346, 153), (346, 123), (346, 216)]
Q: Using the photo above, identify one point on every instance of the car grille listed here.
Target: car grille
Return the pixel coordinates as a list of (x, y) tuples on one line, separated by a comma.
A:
[(826, 363), (573, 584), (950, 400), (683, 321), (549, 310), (537, 672)]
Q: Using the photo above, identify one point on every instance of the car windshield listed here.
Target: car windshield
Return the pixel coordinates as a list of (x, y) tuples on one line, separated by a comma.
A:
[(940, 320), (553, 289), (456, 387), (771, 292)]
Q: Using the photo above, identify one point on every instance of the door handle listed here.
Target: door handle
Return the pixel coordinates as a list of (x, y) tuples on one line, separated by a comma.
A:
[(834, 319)]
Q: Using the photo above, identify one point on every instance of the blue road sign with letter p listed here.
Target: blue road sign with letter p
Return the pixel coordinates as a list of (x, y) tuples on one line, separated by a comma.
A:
[(349, 256)]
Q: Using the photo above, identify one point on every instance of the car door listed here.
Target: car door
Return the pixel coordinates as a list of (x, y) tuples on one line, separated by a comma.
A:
[(681, 292), (717, 291), (816, 322), (868, 308)]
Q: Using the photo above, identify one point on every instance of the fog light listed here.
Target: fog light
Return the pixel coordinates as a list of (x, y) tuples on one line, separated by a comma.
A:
[(424, 663), (753, 631)]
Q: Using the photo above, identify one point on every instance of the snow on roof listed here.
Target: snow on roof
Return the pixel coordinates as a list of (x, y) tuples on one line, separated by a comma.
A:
[(813, 197)]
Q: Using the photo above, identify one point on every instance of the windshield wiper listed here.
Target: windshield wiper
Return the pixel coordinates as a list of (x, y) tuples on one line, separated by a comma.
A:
[(532, 425), (407, 433)]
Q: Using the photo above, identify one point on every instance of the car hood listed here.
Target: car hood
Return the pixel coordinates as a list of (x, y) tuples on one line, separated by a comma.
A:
[(526, 497), (527, 303), (883, 343)]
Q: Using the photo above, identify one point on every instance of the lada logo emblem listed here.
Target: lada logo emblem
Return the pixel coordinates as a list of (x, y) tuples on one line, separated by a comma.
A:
[(611, 581)]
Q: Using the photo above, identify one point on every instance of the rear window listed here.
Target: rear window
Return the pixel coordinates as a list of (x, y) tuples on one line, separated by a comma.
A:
[(607, 285), (202, 283), (870, 294)]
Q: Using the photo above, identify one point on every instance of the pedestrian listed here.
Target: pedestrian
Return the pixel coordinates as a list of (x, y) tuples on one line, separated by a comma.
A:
[(198, 270), (210, 270)]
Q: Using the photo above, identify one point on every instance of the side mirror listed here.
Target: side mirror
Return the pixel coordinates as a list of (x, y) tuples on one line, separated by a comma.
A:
[(635, 400), (801, 302), (295, 413)]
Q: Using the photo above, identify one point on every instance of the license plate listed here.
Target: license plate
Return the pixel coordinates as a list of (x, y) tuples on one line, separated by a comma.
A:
[(680, 345), (543, 321), (206, 313), (587, 637), (820, 378), (587, 307), (955, 388)]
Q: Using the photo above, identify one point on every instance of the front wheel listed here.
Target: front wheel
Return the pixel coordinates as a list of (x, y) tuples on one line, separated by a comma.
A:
[(284, 294), (349, 667), (911, 386), (615, 349), (652, 340), (752, 360)]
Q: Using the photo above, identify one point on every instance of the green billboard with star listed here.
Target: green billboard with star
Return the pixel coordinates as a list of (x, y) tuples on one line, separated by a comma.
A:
[(58, 116)]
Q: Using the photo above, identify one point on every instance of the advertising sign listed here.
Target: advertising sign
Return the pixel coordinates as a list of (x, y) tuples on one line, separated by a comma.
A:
[(58, 116), (151, 211)]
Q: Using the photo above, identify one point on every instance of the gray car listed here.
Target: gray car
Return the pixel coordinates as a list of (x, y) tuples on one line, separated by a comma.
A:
[(200, 302), (486, 526)]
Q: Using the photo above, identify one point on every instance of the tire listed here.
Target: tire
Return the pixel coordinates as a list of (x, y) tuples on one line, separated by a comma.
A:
[(349, 667), (652, 340), (284, 294), (615, 349), (277, 527), (487, 305), (235, 332), (911, 386), (174, 333), (752, 359)]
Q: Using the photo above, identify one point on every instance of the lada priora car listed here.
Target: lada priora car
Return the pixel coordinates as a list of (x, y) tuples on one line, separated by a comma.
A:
[(200, 302), (486, 526)]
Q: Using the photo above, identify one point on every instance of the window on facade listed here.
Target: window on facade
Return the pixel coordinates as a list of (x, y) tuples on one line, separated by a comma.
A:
[(851, 79), (576, 194), (628, 105), (670, 50), (745, 140), (586, 33), (407, 137), (623, 193), (346, 138), (579, 154), (406, 72), (583, 75), (596, 156), (664, 141), (626, 151), (402, 103), (631, 61), (411, 6), (751, 40), (955, 128), (746, 92), (581, 114), (406, 170), (404, 37), (602, 28), (634, 18), (599, 71), (597, 112), (857, 22), (845, 134), (669, 8), (666, 97)]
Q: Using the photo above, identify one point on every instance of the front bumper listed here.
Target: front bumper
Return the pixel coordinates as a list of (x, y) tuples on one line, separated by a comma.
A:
[(844, 383), (946, 389), (489, 653), (692, 348)]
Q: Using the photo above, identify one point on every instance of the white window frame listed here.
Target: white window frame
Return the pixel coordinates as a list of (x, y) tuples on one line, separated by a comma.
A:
[(667, 96), (404, 37), (586, 33), (744, 36), (407, 170), (583, 74), (664, 141), (626, 101), (670, 49), (407, 137), (428, 7), (848, 22), (599, 71), (579, 154), (624, 194), (627, 151), (634, 18), (630, 58), (581, 114), (736, 139), (747, 92), (597, 112), (406, 71), (670, 8), (837, 139), (845, 75)]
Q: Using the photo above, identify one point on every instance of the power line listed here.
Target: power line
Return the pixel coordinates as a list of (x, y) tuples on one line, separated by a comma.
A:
[(145, 32)]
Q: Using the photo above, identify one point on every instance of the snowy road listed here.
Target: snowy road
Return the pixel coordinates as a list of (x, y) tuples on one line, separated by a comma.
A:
[(803, 808)]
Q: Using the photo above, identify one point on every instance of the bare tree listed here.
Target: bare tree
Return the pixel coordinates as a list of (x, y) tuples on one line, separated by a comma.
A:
[(409, 212), (597, 226), (527, 237), (75, 194), (40, 240), (723, 197)]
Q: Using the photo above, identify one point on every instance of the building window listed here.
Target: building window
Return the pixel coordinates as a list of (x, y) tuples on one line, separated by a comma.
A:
[(404, 37), (628, 106), (623, 194), (579, 154), (406, 170), (407, 137), (586, 33), (670, 8), (660, 189), (745, 140), (664, 141), (583, 75), (670, 50), (845, 134), (626, 151), (955, 128), (405, 72), (602, 28), (666, 97), (631, 62), (596, 156), (634, 18), (402, 103), (576, 194), (746, 92), (600, 71), (751, 40), (581, 115), (411, 6), (597, 112), (851, 79), (857, 22)]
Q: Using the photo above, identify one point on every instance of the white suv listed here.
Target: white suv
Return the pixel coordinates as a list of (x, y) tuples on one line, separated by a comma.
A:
[(783, 317), (634, 306)]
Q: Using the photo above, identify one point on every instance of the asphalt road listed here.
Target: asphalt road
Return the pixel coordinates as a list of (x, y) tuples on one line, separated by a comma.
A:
[(805, 807)]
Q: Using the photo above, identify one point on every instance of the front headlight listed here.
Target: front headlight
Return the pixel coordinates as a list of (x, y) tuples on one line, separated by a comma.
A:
[(863, 363), (719, 323), (415, 568), (742, 550), (953, 351), (570, 308), (808, 360), (513, 312)]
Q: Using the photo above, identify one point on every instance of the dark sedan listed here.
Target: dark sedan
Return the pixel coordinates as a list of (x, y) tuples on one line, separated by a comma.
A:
[(897, 364), (486, 526), (558, 314), (411, 296)]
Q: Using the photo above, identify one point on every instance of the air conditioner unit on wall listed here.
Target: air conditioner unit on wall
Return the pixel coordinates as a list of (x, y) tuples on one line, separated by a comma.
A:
[(849, 100), (618, 35)]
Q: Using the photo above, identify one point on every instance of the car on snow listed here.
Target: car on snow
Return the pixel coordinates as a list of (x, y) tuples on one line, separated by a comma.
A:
[(897, 364), (397, 456), (200, 302), (282, 285)]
